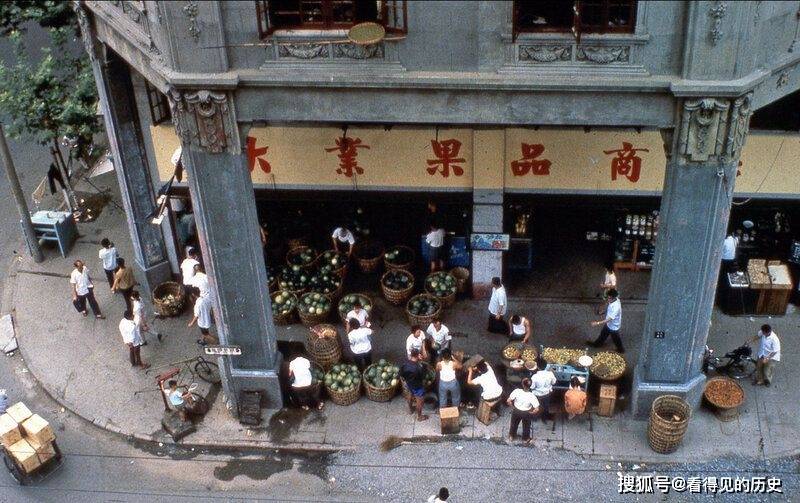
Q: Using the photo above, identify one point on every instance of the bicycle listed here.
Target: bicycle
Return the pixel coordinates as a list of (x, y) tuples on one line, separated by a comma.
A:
[(737, 364), (199, 367)]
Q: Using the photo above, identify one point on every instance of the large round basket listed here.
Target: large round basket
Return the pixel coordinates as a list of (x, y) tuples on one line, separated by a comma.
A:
[(312, 319), (369, 255), (669, 419), (378, 394), (297, 251), (422, 320), (323, 345), (365, 301), (462, 277), (447, 300), (348, 397), (341, 270), (284, 318), (168, 299), (397, 297), (724, 396), (404, 387), (334, 295), (405, 266), (597, 368)]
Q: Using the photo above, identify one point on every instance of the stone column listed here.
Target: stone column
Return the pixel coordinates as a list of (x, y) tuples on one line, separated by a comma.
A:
[(115, 90), (703, 155), (487, 216), (227, 224)]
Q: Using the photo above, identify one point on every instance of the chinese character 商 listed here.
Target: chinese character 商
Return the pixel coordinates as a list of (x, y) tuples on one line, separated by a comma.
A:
[(627, 163), (446, 152), (347, 148), (529, 162), (254, 153)]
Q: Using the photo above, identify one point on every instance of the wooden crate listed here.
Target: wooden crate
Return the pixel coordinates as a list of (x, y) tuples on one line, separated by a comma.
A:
[(608, 400), (450, 420), (38, 428), (19, 412), (25, 455), (44, 451), (9, 431)]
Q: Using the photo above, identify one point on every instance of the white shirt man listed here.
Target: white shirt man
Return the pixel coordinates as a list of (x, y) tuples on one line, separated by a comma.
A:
[(415, 341), (301, 370), (729, 247), (200, 281), (614, 315), (187, 270), (523, 400), (202, 311), (769, 345), (435, 238), (542, 383), (138, 313), (360, 340), (490, 388), (130, 332), (108, 256), (498, 304), (81, 280), (440, 336), (361, 315)]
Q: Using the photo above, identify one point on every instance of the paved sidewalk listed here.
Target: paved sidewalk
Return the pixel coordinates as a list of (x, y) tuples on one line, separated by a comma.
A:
[(83, 364)]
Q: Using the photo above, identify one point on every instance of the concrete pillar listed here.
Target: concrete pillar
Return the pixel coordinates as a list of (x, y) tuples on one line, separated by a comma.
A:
[(113, 79), (487, 216), (227, 224), (695, 207)]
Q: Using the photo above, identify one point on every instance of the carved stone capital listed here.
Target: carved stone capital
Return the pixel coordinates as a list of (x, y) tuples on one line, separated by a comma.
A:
[(87, 33), (203, 117), (713, 129)]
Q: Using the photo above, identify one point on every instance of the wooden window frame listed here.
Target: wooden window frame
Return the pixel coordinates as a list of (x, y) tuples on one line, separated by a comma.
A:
[(158, 104), (578, 28), (393, 15)]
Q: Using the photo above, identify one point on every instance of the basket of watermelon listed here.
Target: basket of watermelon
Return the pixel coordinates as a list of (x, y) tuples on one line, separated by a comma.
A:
[(349, 300), (284, 307), (399, 257), (329, 284), (303, 256), (368, 255), (314, 308), (381, 381), (333, 261), (397, 285), (422, 309), (294, 279), (443, 286), (343, 384)]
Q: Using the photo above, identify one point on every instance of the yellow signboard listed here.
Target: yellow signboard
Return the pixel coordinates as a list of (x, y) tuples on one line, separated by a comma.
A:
[(534, 160)]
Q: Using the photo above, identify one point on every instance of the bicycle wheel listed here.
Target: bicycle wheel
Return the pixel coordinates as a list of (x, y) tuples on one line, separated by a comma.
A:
[(741, 369), (207, 371)]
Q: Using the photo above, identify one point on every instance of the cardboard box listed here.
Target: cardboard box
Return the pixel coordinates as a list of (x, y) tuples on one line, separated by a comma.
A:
[(38, 428), (9, 431), (19, 412), (25, 455), (44, 451)]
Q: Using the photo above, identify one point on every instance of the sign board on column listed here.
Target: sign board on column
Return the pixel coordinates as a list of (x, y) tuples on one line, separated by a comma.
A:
[(223, 350), (490, 242)]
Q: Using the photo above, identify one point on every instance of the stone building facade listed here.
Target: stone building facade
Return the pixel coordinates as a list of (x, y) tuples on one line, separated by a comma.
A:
[(694, 71)]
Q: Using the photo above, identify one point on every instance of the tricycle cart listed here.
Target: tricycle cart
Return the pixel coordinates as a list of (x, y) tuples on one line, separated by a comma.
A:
[(39, 473)]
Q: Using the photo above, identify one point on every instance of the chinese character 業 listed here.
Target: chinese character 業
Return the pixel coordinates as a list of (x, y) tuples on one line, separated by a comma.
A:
[(627, 163), (446, 152), (529, 162), (254, 153), (347, 148)]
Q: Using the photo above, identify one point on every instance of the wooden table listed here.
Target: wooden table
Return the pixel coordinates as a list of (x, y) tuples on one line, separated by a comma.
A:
[(773, 283)]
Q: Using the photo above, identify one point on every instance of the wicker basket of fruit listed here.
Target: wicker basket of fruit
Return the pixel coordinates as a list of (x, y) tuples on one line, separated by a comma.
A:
[(368, 256), (397, 286), (725, 396), (294, 279), (303, 256), (333, 261), (168, 299), (422, 309), (560, 356), (443, 286), (349, 300), (381, 381), (284, 307), (343, 384), (608, 366), (399, 257), (314, 308), (329, 284), (324, 346)]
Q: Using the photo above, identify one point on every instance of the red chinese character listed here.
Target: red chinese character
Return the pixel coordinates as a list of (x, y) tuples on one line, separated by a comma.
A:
[(347, 155), (627, 163), (529, 162), (446, 152), (254, 154)]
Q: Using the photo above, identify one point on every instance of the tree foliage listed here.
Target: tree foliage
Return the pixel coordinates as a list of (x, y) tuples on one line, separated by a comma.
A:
[(55, 96)]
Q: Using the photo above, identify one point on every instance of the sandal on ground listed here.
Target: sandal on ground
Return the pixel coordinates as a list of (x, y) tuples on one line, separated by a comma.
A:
[(321, 406), (85, 314), (422, 418), (100, 317)]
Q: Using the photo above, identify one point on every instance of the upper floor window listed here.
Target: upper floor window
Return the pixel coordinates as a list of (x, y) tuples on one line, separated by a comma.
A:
[(158, 104), (585, 16), (328, 14)]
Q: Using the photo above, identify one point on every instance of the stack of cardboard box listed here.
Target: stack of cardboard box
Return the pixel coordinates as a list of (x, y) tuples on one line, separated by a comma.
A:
[(27, 437)]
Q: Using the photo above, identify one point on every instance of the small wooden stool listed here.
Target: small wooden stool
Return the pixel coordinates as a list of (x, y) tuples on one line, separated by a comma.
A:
[(608, 400), (484, 413), (450, 420)]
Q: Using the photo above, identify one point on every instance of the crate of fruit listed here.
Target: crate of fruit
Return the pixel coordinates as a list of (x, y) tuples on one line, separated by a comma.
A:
[(422, 309), (443, 286)]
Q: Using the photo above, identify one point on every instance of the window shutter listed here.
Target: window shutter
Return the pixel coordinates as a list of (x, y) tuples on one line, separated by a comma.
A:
[(395, 16)]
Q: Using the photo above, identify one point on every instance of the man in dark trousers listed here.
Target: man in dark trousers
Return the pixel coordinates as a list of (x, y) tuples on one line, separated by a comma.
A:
[(83, 290), (413, 372), (611, 323)]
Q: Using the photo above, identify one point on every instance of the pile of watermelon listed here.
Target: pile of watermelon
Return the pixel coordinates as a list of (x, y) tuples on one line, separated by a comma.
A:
[(382, 374), (342, 377)]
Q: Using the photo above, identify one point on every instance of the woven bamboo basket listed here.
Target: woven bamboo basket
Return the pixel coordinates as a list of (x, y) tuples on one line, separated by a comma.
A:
[(449, 299), (293, 243), (312, 319), (405, 266), (365, 300), (724, 412), (348, 397), (369, 255), (397, 297), (169, 309), (334, 295), (424, 320), (323, 345), (665, 434), (285, 318), (300, 249), (607, 377), (341, 270), (462, 277), (404, 387), (378, 394)]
